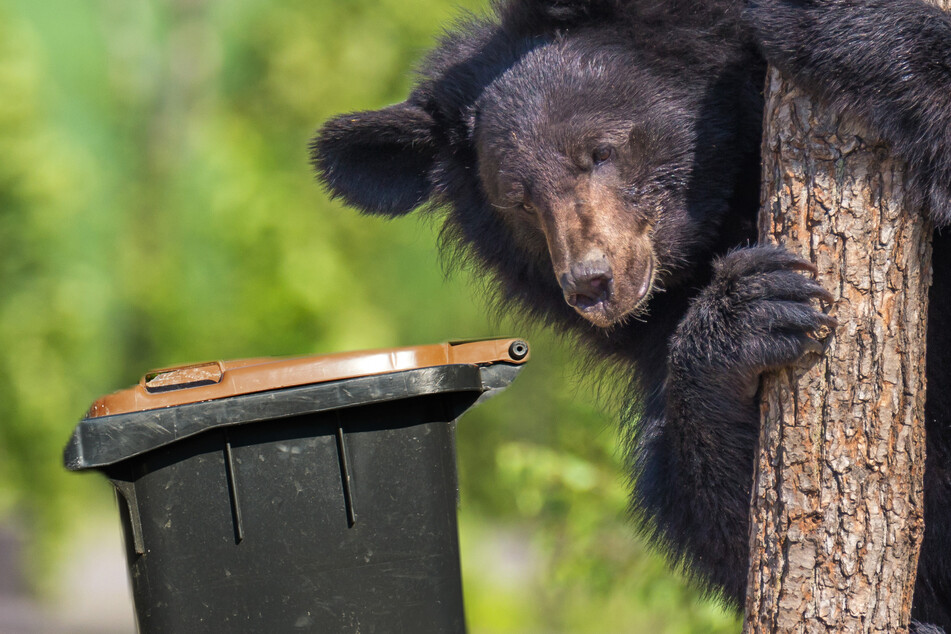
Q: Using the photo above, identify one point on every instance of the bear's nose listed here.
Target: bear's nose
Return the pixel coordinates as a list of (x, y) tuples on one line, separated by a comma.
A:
[(588, 283)]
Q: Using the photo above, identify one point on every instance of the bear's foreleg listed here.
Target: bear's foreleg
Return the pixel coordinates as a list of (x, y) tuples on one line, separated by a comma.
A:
[(887, 61), (695, 448)]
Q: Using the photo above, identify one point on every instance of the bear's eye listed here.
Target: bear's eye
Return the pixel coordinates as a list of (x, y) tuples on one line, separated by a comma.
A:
[(527, 207), (602, 154)]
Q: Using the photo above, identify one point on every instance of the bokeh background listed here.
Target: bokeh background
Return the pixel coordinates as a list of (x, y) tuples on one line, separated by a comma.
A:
[(157, 207)]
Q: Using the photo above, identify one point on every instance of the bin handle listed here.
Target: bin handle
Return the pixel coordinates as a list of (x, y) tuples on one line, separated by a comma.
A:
[(183, 377)]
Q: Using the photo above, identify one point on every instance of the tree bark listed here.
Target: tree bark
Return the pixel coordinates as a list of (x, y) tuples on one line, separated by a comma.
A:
[(837, 503)]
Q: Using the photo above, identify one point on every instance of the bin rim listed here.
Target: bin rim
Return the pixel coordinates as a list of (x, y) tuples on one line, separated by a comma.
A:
[(97, 443), (207, 381)]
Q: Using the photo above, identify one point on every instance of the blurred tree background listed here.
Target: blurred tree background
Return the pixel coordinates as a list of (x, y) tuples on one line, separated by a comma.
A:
[(157, 207)]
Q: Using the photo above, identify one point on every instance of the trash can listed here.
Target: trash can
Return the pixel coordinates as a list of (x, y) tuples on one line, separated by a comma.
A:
[(296, 494)]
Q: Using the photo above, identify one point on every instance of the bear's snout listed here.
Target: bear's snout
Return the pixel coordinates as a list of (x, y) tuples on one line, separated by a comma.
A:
[(588, 283)]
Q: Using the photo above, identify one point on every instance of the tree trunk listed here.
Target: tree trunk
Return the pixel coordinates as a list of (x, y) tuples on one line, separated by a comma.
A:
[(837, 509)]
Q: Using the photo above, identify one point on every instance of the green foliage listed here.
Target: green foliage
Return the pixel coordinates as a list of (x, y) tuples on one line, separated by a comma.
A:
[(156, 207)]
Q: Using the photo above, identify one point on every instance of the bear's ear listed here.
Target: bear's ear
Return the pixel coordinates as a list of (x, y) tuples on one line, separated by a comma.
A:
[(379, 160)]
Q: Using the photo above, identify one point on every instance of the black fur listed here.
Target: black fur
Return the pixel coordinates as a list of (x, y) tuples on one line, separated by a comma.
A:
[(507, 128)]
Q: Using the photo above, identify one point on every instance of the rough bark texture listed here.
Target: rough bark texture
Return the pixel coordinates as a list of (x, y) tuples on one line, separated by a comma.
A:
[(837, 509)]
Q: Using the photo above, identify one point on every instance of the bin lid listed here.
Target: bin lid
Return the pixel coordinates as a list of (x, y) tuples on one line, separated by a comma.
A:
[(172, 403), (212, 380)]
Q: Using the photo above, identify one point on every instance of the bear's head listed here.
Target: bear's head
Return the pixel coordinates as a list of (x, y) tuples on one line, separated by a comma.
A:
[(565, 153)]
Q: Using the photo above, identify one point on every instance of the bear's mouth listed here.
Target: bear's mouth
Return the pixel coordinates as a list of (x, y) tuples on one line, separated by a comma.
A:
[(599, 312), (643, 291)]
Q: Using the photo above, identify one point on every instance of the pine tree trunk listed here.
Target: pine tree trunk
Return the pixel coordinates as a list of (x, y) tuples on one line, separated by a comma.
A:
[(837, 503)]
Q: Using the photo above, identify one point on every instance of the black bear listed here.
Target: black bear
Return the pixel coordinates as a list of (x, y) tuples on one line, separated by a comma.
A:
[(600, 158)]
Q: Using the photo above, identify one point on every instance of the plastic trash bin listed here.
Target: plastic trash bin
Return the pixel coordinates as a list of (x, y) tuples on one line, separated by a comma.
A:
[(303, 494)]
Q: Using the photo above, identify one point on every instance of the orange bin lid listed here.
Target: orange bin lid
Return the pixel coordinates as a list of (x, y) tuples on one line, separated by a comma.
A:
[(213, 380)]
